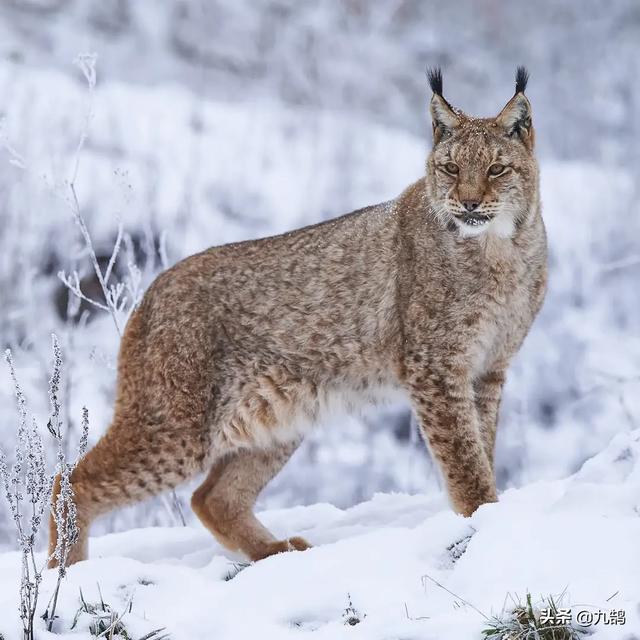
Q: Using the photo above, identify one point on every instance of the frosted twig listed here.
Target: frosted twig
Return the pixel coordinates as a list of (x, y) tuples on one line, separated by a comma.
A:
[(72, 282), (122, 297), (114, 253), (622, 263), (63, 510), (28, 487), (456, 596)]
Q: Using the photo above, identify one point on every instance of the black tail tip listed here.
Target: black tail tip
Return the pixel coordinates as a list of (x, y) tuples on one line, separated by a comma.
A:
[(435, 79), (522, 77)]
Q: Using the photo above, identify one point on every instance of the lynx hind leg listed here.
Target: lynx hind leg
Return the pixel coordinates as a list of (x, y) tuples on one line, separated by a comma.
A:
[(224, 502), (124, 467)]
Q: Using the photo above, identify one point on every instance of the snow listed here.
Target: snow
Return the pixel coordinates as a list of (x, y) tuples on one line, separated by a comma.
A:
[(577, 535)]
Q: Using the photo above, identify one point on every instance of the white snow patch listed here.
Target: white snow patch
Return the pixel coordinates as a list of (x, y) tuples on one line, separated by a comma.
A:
[(579, 534)]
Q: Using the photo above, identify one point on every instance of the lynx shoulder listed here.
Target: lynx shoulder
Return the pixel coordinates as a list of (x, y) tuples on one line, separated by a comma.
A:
[(235, 352)]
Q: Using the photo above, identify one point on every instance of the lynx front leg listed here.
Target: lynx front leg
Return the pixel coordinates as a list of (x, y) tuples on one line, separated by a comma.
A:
[(447, 414), (488, 391), (224, 502)]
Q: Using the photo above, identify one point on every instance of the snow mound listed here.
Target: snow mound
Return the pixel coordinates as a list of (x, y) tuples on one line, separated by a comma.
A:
[(376, 565)]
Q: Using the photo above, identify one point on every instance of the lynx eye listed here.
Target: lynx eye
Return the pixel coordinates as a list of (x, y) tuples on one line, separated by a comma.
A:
[(452, 168), (496, 169)]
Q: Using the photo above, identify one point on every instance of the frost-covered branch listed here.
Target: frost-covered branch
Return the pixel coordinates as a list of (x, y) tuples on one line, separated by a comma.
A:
[(72, 282), (122, 296), (28, 487), (63, 509)]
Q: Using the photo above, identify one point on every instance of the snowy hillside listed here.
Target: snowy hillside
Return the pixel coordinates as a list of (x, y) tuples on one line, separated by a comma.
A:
[(577, 536)]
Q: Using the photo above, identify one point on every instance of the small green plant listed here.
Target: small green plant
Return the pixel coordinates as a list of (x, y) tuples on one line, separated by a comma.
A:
[(107, 623), (528, 622)]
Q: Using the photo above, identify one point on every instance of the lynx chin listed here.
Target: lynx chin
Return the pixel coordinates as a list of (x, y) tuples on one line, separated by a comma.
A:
[(236, 352)]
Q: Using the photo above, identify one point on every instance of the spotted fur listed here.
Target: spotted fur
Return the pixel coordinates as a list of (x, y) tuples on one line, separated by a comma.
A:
[(235, 352)]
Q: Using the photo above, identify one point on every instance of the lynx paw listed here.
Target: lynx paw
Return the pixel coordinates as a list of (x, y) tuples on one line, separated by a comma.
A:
[(298, 544), (295, 543)]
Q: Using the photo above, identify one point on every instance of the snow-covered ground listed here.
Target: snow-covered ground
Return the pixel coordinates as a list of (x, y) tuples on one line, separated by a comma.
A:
[(577, 537)]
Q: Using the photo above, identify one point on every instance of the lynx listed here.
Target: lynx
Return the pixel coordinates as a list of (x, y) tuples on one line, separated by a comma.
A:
[(235, 352)]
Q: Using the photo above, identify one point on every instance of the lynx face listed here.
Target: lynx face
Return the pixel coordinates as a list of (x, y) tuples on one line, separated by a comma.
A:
[(481, 173)]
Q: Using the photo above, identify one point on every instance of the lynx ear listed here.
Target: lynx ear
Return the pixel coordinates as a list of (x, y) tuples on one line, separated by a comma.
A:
[(443, 117), (515, 118)]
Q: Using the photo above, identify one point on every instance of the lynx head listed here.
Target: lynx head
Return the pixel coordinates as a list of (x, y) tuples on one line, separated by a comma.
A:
[(482, 174)]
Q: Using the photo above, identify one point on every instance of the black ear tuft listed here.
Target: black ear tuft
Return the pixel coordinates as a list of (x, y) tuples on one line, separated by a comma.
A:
[(435, 80), (522, 77)]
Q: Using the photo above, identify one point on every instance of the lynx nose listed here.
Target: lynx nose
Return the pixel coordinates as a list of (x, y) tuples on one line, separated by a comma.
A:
[(471, 205)]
